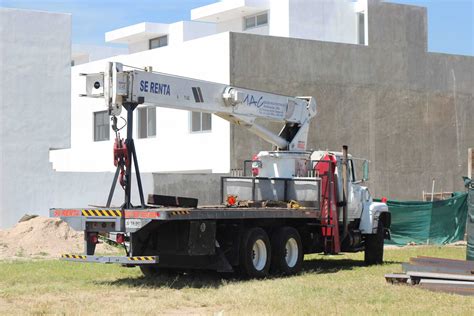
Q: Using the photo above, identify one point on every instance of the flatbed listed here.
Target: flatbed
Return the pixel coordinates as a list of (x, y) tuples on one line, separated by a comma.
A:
[(183, 213)]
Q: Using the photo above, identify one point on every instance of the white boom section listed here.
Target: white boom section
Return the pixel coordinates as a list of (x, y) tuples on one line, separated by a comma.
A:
[(239, 106)]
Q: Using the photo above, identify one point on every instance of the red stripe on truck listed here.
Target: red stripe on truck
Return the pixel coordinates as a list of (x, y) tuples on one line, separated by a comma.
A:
[(141, 214), (66, 213)]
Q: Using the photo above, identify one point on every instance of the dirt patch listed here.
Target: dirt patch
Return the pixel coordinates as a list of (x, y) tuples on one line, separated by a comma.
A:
[(43, 237)]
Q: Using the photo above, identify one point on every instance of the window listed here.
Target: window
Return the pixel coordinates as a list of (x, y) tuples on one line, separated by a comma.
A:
[(201, 122), (147, 122), (101, 126), (255, 20), (159, 42), (361, 28)]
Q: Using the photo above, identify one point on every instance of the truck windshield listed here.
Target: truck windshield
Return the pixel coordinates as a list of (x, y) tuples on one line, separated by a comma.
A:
[(356, 167)]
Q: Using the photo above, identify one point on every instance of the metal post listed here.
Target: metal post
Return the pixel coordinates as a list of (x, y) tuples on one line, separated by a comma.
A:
[(129, 142), (432, 190), (137, 172), (344, 190), (112, 188), (470, 163)]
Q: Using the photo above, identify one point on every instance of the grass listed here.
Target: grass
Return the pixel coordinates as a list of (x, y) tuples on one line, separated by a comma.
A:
[(328, 285)]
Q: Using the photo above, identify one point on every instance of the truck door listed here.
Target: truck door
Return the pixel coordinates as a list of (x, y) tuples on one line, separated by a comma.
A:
[(354, 198)]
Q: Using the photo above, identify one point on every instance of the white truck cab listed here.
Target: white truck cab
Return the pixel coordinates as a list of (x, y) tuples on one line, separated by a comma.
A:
[(300, 164)]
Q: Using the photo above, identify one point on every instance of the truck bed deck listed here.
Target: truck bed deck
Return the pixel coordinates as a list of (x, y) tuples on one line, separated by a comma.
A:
[(131, 220), (182, 213)]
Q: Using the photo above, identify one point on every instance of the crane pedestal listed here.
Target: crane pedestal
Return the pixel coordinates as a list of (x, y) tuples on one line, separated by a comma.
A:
[(132, 160)]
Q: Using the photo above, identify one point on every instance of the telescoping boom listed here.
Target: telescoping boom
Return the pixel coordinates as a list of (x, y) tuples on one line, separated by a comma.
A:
[(238, 106)]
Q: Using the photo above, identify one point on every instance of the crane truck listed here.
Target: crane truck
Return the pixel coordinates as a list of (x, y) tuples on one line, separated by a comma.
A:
[(295, 201)]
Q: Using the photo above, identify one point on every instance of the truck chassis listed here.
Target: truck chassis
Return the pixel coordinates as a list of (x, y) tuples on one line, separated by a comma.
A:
[(220, 238)]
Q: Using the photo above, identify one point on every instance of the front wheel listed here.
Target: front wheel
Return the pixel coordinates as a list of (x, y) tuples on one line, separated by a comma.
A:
[(255, 253), (374, 246)]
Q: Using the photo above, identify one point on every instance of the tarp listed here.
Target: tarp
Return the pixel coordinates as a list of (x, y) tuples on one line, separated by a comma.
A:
[(470, 222), (434, 223)]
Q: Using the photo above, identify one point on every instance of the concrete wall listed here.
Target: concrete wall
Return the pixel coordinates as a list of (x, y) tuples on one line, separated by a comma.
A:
[(409, 111), (174, 148), (34, 104)]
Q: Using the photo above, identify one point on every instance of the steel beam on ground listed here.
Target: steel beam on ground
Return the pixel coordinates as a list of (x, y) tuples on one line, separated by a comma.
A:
[(444, 276), (406, 267)]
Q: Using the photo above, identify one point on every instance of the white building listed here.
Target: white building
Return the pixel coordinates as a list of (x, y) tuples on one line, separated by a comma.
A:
[(342, 21), (81, 54), (34, 89), (178, 141), (35, 117)]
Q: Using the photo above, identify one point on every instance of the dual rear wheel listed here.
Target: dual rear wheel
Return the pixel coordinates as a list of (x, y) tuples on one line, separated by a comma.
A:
[(259, 255)]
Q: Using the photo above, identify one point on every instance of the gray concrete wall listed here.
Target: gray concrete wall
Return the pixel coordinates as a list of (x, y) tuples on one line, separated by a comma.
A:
[(409, 111)]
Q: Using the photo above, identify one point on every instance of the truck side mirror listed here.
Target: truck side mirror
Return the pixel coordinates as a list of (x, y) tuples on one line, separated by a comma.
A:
[(365, 170)]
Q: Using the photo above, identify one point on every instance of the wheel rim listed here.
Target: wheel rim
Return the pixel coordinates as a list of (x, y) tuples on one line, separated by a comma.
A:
[(291, 252), (259, 255)]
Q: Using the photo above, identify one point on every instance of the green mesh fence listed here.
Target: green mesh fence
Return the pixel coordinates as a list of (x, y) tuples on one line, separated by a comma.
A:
[(434, 223), (470, 223)]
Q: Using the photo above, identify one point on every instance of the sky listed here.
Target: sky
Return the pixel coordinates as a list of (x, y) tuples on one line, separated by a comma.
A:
[(450, 22)]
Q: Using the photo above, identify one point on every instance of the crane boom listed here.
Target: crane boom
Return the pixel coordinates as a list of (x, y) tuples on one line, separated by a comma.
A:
[(238, 106)]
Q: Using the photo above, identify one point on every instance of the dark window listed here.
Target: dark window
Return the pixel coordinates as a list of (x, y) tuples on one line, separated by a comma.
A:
[(262, 19), (101, 126), (250, 22), (147, 122), (201, 122), (255, 20), (159, 42)]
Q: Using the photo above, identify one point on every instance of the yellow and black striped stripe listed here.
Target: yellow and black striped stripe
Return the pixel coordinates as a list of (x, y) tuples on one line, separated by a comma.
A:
[(102, 213), (74, 257), (141, 258), (180, 213)]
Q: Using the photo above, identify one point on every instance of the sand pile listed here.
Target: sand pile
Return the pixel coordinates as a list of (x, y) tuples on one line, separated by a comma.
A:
[(42, 237)]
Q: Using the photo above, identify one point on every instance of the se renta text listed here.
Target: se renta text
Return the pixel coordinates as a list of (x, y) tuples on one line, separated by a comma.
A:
[(155, 87)]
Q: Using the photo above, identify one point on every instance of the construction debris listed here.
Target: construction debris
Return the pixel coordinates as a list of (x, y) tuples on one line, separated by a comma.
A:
[(437, 274), (41, 237), (26, 218)]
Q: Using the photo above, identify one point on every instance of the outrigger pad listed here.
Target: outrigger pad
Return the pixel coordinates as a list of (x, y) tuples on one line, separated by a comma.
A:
[(169, 200)]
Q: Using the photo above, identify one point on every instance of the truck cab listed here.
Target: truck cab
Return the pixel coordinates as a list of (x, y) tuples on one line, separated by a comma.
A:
[(361, 212)]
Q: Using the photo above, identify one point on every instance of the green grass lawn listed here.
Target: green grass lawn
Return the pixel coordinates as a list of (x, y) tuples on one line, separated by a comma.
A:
[(328, 285)]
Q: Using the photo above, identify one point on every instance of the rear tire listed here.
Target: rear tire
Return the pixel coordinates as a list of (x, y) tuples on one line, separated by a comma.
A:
[(255, 253), (374, 246), (287, 256)]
